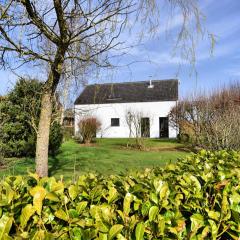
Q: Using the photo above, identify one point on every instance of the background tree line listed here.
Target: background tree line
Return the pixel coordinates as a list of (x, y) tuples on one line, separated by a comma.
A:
[(210, 121)]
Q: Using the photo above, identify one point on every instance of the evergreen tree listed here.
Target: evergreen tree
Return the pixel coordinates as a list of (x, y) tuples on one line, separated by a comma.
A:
[(19, 117)]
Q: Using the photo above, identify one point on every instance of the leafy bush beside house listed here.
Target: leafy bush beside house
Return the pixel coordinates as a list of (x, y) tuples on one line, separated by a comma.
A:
[(19, 116), (197, 198)]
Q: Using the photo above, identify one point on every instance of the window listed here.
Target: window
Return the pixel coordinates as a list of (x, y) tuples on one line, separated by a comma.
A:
[(115, 122)]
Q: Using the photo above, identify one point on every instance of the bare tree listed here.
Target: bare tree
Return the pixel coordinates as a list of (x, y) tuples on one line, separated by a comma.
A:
[(71, 35), (137, 130), (210, 121), (129, 121)]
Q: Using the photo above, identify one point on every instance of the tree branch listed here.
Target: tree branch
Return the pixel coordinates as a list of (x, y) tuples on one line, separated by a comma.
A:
[(61, 20), (39, 23)]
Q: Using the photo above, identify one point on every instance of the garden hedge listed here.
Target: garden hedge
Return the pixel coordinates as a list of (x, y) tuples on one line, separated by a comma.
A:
[(196, 198)]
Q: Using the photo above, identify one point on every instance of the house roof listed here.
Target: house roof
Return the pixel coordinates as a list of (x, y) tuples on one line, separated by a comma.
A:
[(162, 90)]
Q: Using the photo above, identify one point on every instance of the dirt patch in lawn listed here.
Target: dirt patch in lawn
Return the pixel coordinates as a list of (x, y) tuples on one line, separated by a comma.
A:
[(156, 149), (161, 149)]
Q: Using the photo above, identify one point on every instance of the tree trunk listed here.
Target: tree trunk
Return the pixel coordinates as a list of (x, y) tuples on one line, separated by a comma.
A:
[(43, 135), (46, 113)]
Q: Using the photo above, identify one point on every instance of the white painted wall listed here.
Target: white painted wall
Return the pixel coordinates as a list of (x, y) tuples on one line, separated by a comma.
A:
[(104, 113)]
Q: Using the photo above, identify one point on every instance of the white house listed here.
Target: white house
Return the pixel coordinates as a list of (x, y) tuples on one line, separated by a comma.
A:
[(118, 105)]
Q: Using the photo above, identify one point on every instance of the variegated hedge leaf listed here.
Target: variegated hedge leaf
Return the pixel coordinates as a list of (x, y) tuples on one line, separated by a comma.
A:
[(26, 214)]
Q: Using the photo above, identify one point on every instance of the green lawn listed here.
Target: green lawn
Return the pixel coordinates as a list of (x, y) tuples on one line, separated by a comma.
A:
[(107, 156)]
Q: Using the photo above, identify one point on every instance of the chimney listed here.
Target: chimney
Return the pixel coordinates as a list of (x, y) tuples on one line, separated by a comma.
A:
[(150, 83)]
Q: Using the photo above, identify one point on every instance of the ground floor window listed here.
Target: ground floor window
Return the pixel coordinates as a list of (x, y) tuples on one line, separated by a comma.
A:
[(115, 122)]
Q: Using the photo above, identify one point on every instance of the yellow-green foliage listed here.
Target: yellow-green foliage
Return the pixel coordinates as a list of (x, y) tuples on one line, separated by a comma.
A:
[(196, 198)]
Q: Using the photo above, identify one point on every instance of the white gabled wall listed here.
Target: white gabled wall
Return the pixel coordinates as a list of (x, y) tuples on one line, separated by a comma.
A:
[(104, 112)]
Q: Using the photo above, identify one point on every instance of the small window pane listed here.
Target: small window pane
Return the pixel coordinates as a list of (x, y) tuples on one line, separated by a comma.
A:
[(115, 122)]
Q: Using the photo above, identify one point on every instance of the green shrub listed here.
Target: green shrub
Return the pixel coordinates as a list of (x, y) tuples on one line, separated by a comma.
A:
[(2, 160), (196, 198), (55, 138), (19, 117), (68, 133), (183, 138)]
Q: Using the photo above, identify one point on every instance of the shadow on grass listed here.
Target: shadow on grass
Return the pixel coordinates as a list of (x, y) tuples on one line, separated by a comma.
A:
[(67, 163), (55, 166)]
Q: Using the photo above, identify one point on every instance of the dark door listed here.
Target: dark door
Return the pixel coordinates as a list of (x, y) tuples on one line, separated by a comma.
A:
[(145, 127), (163, 127)]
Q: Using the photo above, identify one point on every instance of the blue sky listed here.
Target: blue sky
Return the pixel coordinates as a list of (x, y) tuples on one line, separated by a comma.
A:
[(213, 71)]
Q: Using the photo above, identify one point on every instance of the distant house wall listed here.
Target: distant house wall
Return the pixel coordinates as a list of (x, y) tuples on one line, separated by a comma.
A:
[(104, 112)]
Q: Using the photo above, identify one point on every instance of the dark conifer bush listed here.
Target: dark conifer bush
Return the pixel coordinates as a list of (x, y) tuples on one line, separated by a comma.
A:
[(19, 117)]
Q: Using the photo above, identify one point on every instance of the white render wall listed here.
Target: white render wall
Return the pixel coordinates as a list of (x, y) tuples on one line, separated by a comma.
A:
[(104, 113)]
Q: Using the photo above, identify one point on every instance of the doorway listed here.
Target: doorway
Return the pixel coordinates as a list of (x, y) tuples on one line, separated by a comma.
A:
[(163, 127), (145, 127)]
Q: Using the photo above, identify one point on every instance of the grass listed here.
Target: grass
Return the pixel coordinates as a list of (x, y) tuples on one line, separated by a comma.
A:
[(107, 156)]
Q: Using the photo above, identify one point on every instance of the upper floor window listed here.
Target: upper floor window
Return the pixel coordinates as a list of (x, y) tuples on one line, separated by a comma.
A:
[(115, 122)]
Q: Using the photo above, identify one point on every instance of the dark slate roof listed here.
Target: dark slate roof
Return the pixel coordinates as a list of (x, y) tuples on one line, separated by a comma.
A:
[(163, 90)]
